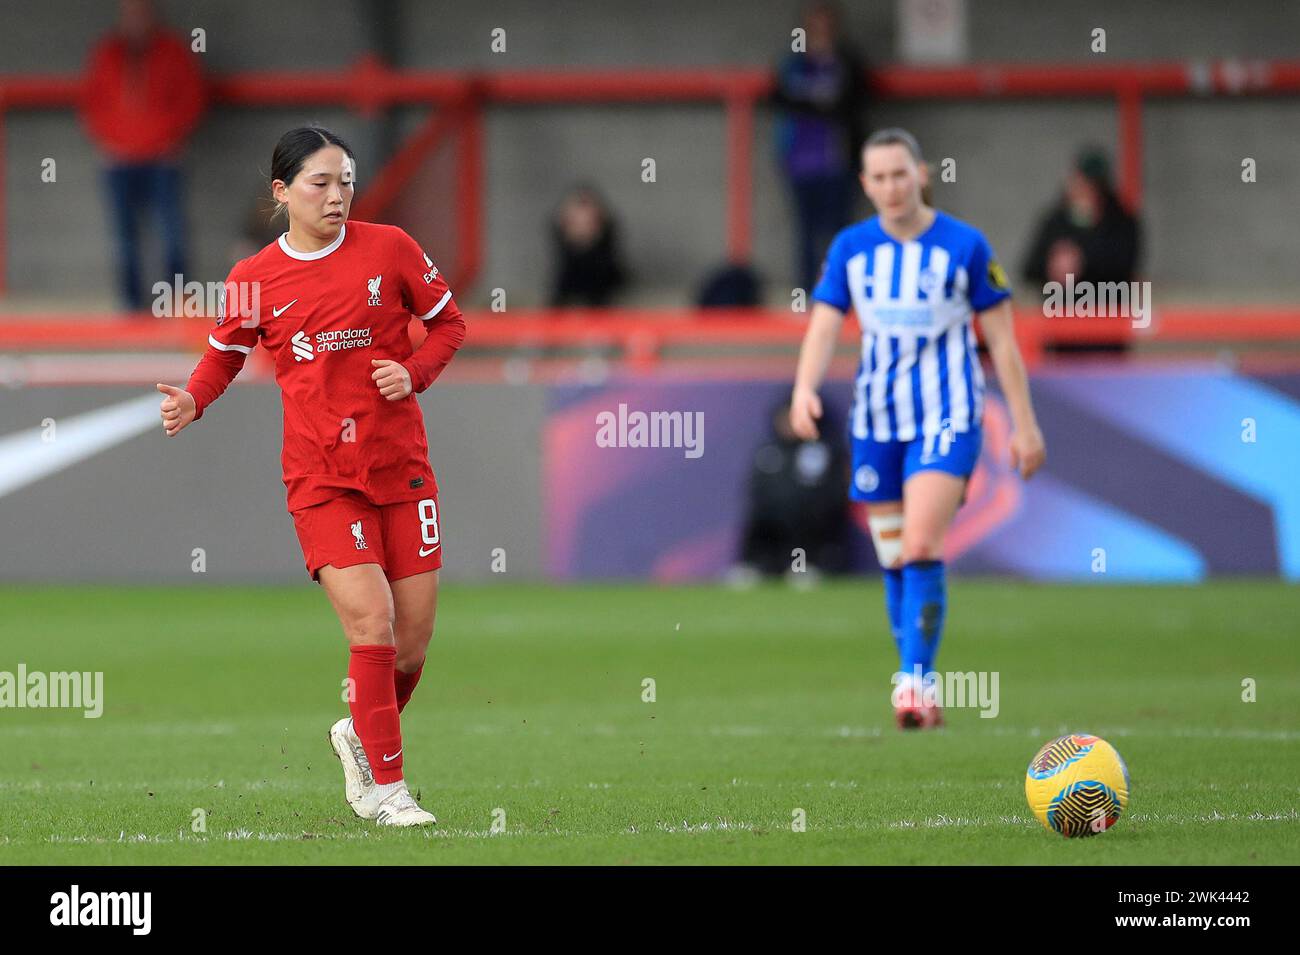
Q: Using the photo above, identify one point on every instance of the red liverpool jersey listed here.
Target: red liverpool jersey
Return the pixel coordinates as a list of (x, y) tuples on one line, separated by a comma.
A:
[(324, 316)]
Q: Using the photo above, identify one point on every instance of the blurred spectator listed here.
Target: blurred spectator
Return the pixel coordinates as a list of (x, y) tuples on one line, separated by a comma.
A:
[(822, 93), (730, 286), (589, 268), (798, 498), (1088, 234), (143, 96)]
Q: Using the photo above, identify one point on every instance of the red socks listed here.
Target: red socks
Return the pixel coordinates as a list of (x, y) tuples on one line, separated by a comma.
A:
[(374, 710), (382, 692), (404, 685)]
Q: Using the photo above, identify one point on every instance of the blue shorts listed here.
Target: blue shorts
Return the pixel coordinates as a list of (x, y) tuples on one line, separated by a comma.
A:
[(881, 467)]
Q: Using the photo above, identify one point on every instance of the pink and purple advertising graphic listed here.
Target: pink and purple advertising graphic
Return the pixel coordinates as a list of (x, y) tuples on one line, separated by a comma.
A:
[(1170, 473)]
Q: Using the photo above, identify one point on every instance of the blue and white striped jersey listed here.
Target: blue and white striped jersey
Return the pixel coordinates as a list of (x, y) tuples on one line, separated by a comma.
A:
[(916, 301)]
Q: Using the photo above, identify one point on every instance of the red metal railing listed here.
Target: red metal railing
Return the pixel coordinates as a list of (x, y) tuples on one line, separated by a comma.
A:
[(641, 337), (369, 86)]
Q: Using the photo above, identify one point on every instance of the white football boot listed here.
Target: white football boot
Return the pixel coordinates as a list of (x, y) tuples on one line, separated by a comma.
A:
[(393, 805), (358, 781)]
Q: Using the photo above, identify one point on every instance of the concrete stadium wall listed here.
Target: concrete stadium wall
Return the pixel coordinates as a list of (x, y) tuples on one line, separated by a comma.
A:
[(1208, 234)]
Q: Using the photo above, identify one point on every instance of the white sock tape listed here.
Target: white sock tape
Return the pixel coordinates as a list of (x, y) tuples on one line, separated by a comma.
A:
[(887, 535)]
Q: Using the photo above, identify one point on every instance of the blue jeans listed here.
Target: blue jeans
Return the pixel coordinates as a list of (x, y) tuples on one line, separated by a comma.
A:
[(132, 190), (824, 205)]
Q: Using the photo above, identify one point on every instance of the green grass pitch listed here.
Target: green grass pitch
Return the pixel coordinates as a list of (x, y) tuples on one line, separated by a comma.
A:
[(766, 702)]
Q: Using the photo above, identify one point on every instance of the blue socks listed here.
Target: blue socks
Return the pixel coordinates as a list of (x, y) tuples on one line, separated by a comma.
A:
[(922, 608), (894, 604)]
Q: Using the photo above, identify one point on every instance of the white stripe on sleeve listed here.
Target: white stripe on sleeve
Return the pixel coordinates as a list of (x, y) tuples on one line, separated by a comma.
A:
[(246, 349), (437, 308)]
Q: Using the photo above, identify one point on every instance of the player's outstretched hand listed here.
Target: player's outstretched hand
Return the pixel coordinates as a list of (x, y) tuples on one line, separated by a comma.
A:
[(1028, 452), (391, 378), (177, 408), (805, 411)]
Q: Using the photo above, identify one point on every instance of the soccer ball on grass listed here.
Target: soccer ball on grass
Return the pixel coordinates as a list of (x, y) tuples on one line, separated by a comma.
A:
[(1077, 785)]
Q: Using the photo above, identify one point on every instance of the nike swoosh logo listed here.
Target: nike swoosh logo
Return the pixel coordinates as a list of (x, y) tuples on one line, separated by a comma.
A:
[(426, 553), (389, 759), (277, 312)]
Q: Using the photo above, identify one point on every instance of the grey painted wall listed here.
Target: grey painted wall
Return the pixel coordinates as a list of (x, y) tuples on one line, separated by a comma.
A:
[(137, 510), (1208, 234)]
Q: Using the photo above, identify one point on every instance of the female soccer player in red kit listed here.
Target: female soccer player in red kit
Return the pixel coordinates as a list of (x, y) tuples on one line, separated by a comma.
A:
[(331, 301)]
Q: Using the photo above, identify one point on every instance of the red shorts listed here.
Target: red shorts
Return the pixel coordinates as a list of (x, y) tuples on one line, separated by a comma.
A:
[(402, 538)]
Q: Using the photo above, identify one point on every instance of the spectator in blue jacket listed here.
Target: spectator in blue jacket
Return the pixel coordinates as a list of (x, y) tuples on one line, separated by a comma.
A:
[(821, 92)]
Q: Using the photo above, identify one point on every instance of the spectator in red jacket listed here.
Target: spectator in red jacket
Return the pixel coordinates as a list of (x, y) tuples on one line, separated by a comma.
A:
[(143, 96)]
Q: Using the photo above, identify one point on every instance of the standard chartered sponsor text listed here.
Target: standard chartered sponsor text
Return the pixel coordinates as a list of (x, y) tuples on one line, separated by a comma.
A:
[(342, 338)]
